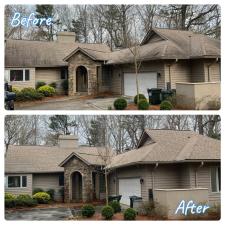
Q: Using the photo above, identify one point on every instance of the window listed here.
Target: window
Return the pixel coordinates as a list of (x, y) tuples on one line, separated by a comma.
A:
[(20, 75), (106, 76), (215, 179), (64, 73), (17, 181), (61, 179)]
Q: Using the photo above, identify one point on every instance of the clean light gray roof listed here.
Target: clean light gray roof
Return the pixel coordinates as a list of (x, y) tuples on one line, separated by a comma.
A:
[(24, 53), (173, 44), (40, 159), (171, 146)]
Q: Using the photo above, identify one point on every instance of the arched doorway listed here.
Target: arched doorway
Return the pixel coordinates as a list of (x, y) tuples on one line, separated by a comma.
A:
[(76, 187), (81, 79)]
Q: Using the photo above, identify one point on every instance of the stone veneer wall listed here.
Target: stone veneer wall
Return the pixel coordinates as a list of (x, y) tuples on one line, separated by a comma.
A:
[(74, 165), (79, 59)]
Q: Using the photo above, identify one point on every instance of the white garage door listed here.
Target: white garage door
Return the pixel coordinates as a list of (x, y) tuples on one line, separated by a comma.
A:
[(146, 80), (129, 187)]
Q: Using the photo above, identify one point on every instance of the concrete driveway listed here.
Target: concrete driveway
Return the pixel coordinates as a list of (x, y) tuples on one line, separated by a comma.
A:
[(69, 103), (39, 214)]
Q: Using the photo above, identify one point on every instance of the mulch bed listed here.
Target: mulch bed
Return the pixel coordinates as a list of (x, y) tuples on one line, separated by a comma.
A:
[(132, 106)]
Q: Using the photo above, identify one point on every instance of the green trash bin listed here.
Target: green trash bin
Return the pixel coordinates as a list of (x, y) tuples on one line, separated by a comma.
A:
[(132, 199), (114, 198), (154, 96)]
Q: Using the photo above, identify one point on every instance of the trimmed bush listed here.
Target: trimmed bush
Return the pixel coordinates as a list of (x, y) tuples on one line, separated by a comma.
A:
[(28, 94), (15, 90), (116, 206), (36, 190), (42, 197), (129, 214), (46, 90), (40, 84), (107, 212), (143, 104), (25, 200), (53, 84), (65, 86), (166, 105), (9, 203), (141, 96), (10, 196), (51, 192), (120, 104), (87, 211)]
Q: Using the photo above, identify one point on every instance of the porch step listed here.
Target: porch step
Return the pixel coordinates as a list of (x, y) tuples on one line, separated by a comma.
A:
[(81, 93)]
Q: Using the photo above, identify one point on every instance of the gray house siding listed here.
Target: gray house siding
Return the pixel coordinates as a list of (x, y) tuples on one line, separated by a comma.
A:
[(167, 176), (20, 190), (46, 182)]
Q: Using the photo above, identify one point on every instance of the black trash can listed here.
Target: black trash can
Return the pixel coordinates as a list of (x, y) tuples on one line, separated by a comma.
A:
[(132, 199), (114, 198), (167, 94), (154, 96)]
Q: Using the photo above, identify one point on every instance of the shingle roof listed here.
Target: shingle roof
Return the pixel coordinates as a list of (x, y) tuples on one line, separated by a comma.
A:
[(171, 146), (174, 44), (24, 53), (38, 159)]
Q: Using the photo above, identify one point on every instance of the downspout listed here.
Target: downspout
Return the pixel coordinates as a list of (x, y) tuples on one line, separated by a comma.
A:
[(196, 173), (153, 183)]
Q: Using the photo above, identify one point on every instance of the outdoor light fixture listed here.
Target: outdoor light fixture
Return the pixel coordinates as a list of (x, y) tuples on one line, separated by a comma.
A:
[(141, 180), (114, 180), (159, 74)]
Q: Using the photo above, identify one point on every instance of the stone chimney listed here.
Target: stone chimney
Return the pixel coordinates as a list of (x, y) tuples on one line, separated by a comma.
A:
[(68, 141), (68, 37)]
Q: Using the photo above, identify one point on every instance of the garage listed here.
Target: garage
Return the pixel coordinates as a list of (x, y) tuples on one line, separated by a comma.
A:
[(146, 80), (129, 187)]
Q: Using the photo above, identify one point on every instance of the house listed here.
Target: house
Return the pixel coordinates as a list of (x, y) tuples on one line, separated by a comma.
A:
[(167, 57), (179, 164)]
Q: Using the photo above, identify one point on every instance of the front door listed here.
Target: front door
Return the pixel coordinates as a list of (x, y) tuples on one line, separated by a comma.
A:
[(76, 187), (81, 79)]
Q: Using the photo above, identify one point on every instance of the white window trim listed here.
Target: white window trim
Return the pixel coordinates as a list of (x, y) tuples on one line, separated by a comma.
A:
[(21, 180), (23, 69), (217, 181)]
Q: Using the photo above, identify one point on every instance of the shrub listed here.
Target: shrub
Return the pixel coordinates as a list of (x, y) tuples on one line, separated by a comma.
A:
[(65, 86), (51, 192), (141, 96), (28, 94), (87, 211), (40, 84), (15, 90), (9, 203), (25, 200), (53, 84), (166, 105), (9, 196), (116, 206), (107, 212), (46, 90), (120, 104), (42, 197), (129, 214), (36, 190), (143, 104)]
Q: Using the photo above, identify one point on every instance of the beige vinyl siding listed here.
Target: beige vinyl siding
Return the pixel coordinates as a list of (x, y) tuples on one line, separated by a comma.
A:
[(117, 80), (49, 76), (21, 190), (179, 72), (214, 71), (21, 84), (46, 182)]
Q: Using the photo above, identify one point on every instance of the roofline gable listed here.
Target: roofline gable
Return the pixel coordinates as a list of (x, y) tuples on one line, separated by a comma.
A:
[(72, 155), (77, 50), (150, 34), (145, 132)]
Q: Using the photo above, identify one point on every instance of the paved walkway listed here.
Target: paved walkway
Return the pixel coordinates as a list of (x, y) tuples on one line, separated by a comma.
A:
[(69, 103), (39, 214)]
